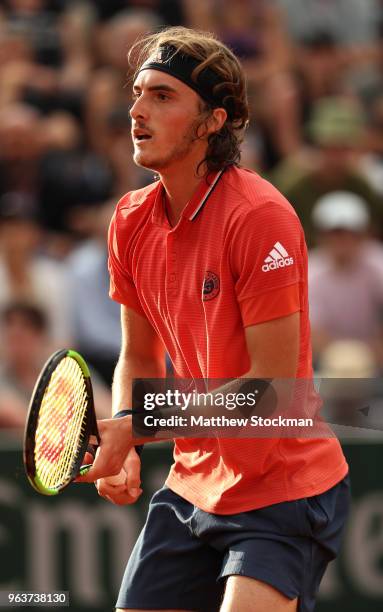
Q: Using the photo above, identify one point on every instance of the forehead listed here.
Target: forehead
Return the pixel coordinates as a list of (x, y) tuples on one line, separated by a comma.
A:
[(155, 78)]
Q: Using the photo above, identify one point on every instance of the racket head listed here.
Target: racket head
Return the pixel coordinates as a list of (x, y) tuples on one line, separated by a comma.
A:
[(61, 419)]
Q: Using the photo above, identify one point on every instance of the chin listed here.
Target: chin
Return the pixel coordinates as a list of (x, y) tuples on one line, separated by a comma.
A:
[(144, 161), (148, 163)]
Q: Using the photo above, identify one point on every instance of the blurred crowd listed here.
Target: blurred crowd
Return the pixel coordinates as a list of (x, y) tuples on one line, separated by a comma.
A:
[(315, 76)]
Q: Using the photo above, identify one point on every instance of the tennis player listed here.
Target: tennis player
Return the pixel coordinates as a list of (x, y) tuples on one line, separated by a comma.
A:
[(209, 263)]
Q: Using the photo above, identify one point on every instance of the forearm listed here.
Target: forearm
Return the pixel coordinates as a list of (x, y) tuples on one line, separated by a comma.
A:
[(273, 348), (173, 416), (127, 369)]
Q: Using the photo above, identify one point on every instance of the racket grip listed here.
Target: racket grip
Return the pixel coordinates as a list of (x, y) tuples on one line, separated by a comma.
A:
[(84, 469), (118, 479)]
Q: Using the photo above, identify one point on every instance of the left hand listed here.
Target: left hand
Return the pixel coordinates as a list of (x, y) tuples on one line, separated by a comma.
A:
[(128, 490), (116, 442)]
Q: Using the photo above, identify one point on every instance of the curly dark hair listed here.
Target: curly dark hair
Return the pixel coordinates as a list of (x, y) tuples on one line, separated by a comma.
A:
[(223, 146)]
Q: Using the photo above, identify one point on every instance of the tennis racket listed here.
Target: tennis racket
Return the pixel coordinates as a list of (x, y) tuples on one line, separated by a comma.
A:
[(60, 422)]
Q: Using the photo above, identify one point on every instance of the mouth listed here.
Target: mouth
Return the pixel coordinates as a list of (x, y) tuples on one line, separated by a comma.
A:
[(140, 136)]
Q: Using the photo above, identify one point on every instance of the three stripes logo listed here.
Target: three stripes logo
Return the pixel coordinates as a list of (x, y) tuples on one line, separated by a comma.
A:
[(277, 258)]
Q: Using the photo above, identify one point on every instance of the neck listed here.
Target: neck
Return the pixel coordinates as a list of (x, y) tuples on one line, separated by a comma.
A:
[(178, 196), (180, 182)]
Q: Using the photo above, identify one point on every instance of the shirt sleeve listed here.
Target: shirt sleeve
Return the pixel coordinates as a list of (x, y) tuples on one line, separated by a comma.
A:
[(269, 263), (122, 288)]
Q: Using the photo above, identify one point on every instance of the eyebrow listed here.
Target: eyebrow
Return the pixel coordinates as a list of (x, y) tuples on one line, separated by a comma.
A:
[(157, 88)]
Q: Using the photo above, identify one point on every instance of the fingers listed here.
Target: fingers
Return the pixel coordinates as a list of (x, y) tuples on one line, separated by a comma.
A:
[(114, 447), (101, 468), (120, 479), (94, 441), (132, 468), (117, 494), (125, 488), (123, 499), (88, 458), (120, 489)]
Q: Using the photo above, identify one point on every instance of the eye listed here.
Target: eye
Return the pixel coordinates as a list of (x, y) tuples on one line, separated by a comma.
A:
[(162, 96), (135, 95)]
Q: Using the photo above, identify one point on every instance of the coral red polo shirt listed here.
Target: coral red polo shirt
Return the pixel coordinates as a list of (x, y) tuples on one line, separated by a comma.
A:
[(236, 257)]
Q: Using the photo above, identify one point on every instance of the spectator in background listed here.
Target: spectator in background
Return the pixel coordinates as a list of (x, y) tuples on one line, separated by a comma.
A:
[(254, 30), (319, 71), (54, 74), (29, 144), (332, 163), (345, 359), (169, 11), (71, 182), (26, 345), (106, 108), (26, 273), (372, 162), (21, 139), (336, 48), (351, 389), (97, 335), (65, 144), (345, 276), (348, 22)]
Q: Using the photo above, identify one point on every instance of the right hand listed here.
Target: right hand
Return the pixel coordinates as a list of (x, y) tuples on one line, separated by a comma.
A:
[(125, 487)]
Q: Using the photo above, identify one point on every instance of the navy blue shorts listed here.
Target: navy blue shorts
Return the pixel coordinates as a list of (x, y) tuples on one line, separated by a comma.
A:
[(183, 554)]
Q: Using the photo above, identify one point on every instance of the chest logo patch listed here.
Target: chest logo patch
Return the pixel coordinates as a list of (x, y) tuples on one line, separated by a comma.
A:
[(211, 286)]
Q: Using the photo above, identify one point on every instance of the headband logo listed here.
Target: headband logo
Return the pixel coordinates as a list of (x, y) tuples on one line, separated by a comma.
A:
[(160, 56), (157, 57)]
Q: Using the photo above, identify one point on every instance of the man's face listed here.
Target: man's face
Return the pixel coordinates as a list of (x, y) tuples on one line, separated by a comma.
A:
[(343, 245), (22, 342), (165, 116), (338, 159)]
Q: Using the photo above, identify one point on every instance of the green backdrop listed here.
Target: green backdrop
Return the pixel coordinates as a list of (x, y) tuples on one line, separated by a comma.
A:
[(80, 543)]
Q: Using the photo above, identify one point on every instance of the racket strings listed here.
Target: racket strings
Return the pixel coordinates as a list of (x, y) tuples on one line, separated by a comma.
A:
[(61, 424)]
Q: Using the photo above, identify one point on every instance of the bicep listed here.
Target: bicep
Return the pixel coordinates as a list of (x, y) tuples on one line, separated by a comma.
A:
[(273, 347)]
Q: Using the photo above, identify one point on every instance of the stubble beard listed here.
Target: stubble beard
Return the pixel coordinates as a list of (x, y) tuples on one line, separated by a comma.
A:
[(179, 152)]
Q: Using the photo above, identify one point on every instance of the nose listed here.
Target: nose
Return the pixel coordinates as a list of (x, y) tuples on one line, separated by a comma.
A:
[(138, 110)]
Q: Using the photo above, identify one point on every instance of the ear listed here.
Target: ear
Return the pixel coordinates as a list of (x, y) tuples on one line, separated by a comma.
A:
[(216, 120)]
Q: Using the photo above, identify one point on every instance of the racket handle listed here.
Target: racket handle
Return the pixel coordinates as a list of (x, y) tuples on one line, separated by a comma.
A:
[(118, 479), (84, 469)]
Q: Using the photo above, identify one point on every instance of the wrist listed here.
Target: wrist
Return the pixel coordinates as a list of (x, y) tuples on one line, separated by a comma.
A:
[(125, 414)]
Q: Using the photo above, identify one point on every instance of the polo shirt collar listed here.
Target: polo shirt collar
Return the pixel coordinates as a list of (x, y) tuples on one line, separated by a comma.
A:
[(201, 196), (195, 204)]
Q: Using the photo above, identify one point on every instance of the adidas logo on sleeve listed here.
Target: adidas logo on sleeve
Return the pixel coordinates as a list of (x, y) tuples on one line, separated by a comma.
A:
[(277, 258)]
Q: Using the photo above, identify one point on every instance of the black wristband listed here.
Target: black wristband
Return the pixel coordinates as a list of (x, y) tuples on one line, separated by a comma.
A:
[(123, 413), (139, 426)]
